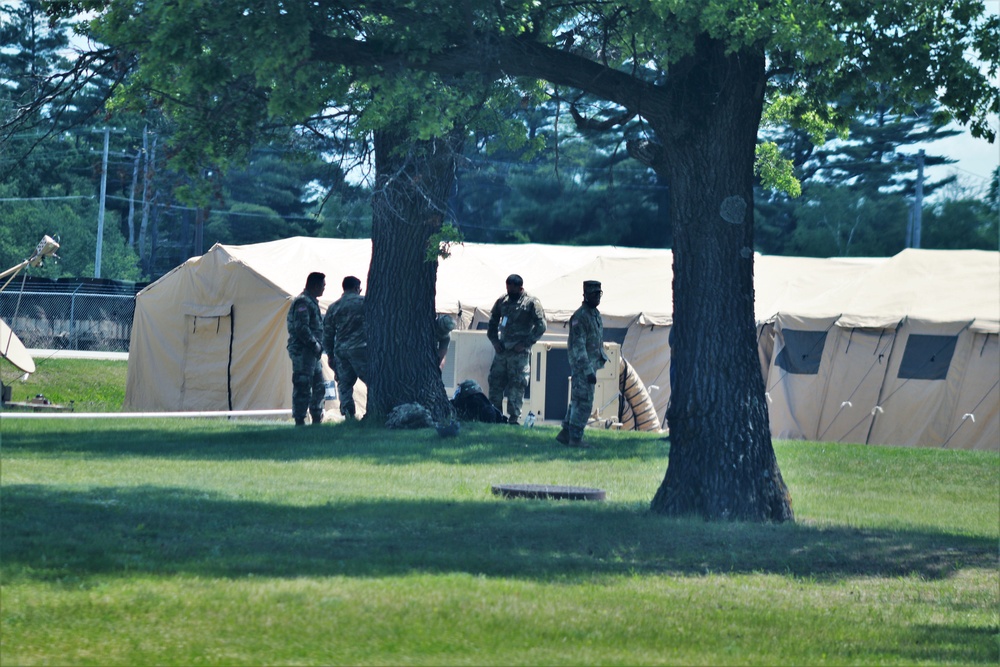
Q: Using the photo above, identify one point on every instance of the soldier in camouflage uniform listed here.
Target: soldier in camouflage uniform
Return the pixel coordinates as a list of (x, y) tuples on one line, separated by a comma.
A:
[(346, 344), (443, 326), (517, 321), (305, 333), (586, 357)]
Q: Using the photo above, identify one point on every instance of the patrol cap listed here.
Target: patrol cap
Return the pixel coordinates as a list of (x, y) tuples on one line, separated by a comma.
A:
[(591, 286), (445, 323)]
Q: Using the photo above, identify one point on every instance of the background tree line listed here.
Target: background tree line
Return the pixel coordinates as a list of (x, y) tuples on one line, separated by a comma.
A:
[(565, 186)]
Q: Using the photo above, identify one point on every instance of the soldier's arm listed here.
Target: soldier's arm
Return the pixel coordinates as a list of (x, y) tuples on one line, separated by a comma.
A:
[(538, 323), (329, 331), (300, 323), (492, 331)]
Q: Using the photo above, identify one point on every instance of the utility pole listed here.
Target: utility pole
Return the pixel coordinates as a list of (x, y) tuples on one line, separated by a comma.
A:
[(918, 198), (100, 210), (104, 192)]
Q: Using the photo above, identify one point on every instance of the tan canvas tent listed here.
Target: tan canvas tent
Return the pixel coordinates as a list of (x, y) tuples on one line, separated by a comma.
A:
[(211, 334), (906, 353)]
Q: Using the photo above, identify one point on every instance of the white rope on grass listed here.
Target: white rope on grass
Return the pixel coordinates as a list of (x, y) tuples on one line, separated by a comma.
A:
[(7, 414)]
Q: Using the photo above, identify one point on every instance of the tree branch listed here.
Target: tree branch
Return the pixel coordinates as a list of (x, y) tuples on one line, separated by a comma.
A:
[(497, 57)]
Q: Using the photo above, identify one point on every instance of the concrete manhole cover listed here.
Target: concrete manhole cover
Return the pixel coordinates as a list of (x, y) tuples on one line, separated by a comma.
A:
[(548, 491)]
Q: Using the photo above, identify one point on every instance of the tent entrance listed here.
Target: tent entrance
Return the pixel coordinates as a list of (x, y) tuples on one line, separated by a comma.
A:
[(208, 351)]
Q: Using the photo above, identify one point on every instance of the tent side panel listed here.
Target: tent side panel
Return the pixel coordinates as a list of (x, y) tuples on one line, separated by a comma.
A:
[(920, 393), (798, 375), (857, 372), (155, 359), (262, 369), (975, 423)]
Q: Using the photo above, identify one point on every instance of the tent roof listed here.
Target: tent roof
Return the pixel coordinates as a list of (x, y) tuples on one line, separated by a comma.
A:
[(928, 285), (932, 285)]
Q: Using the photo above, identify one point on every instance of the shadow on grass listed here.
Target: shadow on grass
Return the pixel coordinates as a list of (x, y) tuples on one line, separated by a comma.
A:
[(234, 441), (55, 535)]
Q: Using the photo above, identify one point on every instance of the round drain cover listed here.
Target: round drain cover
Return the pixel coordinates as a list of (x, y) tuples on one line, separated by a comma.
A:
[(548, 491)]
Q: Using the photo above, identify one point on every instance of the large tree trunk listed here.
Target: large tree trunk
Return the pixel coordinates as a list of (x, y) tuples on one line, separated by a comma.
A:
[(413, 181), (721, 463)]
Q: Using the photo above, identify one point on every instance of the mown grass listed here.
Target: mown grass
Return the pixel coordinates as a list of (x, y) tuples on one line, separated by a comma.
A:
[(91, 385), (236, 543)]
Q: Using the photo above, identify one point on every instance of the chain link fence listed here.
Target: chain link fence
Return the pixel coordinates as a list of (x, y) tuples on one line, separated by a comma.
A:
[(70, 314)]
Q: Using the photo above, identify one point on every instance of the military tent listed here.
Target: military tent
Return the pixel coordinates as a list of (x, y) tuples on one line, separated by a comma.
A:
[(211, 334)]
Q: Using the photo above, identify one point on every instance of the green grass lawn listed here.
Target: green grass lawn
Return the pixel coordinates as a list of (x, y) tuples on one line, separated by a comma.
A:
[(187, 542), (91, 385)]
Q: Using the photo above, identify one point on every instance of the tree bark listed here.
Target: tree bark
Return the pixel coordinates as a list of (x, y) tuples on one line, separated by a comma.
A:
[(721, 462), (409, 205)]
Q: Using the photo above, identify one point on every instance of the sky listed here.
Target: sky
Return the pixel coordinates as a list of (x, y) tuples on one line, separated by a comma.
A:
[(977, 158)]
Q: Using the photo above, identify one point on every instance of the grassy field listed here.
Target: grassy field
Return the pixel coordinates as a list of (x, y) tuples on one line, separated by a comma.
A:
[(91, 385), (174, 542)]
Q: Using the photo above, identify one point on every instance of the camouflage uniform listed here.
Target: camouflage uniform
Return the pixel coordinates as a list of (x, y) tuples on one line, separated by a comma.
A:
[(347, 346), (586, 357), (305, 331), (513, 321), (443, 327)]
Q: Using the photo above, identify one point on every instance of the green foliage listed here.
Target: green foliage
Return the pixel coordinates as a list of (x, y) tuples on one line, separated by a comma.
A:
[(73, 224), (440, 242), (876, 176), (961, 224), (225, 72), (342, 218), (835, 222), (246, 223), (564, 186), (775, 171)]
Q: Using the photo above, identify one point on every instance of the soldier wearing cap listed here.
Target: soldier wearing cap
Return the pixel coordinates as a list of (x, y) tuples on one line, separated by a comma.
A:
[(305, 335), (443, 326), (346, 343), (586, 357), (517, 321)]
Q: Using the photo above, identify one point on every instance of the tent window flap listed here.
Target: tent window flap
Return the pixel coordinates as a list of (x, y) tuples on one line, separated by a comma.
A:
[(927, 357), (802, 351)]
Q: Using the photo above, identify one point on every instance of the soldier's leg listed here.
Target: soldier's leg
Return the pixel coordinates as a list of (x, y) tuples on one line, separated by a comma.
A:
[(563, 436), (517, 382), (359, 361), (497, 380), (346, 377), (581, 403), (318, 393), (301, 389)]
